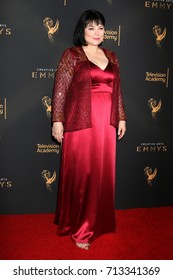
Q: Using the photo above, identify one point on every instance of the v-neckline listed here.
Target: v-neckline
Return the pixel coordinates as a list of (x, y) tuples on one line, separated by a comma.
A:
[(93, 62), (98, 66)]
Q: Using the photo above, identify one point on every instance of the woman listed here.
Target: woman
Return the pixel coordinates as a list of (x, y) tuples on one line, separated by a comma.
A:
[(87, 109)]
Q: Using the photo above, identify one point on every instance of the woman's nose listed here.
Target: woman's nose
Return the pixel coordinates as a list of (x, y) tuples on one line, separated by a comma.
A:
[(96, 31)]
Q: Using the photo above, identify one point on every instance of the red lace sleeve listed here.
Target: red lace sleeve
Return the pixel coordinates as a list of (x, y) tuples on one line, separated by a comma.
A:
[(63, 77), (121, 111)]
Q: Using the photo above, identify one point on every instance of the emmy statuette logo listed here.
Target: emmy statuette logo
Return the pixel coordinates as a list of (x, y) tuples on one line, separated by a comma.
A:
[(48, 178), (154, 106), (46, 101), (159, 34), (150, 175), (51, 30)]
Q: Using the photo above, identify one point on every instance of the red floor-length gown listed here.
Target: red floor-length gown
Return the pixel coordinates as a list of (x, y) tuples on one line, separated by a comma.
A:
[(85, 208)]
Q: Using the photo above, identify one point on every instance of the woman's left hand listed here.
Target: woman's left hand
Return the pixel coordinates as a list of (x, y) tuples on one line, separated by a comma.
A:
[(121, 129)]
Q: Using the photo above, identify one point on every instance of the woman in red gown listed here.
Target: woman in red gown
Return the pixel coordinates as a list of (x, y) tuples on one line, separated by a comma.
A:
[(87, 109)]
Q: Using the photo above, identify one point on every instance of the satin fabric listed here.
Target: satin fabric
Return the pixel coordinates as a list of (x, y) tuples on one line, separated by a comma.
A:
[(85, 207)]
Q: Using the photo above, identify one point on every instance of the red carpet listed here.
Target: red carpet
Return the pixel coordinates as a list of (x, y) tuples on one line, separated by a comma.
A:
[(142, 234)]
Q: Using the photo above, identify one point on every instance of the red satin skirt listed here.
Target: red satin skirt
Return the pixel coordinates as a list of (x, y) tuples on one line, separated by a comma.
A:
[(85, 207)]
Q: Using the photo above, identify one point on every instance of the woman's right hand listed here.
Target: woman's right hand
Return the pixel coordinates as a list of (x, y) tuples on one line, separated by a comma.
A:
[(57, 131)]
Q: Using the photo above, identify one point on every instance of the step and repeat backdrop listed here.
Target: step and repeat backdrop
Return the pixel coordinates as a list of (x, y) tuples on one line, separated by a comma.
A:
[(33, 35)]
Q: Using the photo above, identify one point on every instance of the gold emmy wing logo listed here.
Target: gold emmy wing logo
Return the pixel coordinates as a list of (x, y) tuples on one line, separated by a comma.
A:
[(154, 106), (48, 178), (159, 34), (150, 174), (51, 30), (46, 101)]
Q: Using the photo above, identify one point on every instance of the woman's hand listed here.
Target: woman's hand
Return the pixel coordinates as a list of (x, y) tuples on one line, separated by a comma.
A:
[(121, 129), (57, 131)]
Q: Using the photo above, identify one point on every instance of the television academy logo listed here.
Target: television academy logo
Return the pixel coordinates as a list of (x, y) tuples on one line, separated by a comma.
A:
[(46, 101), (159, 34), (114, 35), (150, 175), (48, 178), (158, 77), (51, 30), (3, 109), (48, 148), (154, 107)]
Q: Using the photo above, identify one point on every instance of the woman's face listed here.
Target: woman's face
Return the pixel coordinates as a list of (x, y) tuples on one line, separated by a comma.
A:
[(94, 33)]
